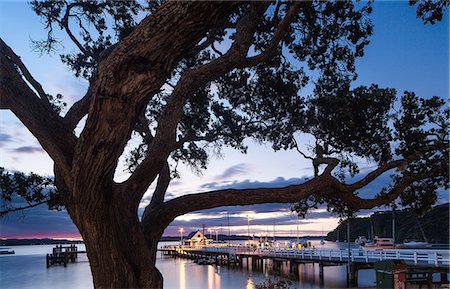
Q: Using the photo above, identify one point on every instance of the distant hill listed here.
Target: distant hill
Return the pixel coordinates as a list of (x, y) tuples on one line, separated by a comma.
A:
[(242, 237), (46, 241), (435, 225)]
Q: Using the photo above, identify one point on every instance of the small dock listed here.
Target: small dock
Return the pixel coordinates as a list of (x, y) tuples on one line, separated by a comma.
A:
[(61, 255)]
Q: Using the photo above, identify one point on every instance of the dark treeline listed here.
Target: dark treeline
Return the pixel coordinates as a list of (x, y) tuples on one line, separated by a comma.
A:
[(45, 241), (435, 225), (48, 241)]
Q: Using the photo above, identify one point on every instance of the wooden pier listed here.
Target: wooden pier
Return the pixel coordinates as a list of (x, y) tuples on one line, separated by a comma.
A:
[(62, 255), (424, 261)]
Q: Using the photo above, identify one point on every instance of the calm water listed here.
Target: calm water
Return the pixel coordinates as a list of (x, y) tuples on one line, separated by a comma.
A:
[(26, 269)]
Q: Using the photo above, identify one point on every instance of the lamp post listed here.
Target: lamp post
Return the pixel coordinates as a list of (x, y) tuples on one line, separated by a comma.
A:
[(349, 260), (181, 236), (229, 229), (210, 233), (393, 223), (248, 227)]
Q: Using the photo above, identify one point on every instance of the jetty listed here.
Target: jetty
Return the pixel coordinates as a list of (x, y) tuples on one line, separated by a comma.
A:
[(61, 255), (418, 265)]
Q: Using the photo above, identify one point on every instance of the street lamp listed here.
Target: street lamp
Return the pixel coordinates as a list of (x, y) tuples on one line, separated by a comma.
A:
[(181, 236), (210, 233), (248, 226)]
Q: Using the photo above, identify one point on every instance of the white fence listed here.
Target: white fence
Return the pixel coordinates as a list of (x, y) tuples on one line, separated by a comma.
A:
[(434, 258)]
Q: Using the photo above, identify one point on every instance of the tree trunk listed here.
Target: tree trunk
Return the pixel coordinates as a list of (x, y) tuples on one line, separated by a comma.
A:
[(120, 256)]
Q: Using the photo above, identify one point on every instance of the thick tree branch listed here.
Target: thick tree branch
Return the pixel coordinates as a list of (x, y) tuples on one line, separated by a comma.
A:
[(160, 190), (165, 213), (161, 185), (136, 69), (142, 127), (323, 185), (65, 23), (375, 174), (194, 138), (79, 109), (42, 121), (190, 81), (300, 152), (278, 36), (383, 198), (6, 50), (205, 44)]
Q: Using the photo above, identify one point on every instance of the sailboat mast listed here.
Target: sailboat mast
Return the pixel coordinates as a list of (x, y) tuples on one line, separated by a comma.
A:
[(371, 230), (393, 224), (421, 229), (274, 232), (229, 231)]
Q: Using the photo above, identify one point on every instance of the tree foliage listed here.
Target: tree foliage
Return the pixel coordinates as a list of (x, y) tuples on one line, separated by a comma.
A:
[(99, 24), (430, 11), (265, 100), (27, 190), (194, 77)]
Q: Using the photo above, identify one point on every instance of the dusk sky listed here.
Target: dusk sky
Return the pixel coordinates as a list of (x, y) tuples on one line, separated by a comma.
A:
[(404, 54)]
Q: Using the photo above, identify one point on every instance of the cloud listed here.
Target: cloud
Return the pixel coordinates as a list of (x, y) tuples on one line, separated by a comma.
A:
[(233, 171), (262, 215), (279, 182), (175, 183), (167, 196), (40, 221), (37, 222), (5, 138), (266, 214), (28, 150)]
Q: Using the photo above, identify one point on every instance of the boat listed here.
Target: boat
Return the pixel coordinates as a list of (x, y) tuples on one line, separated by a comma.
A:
[(304, 243), (6, 251), (361, 240), (379, 243), (260, 243), (322, 241), (438, 246), (206, 261), (414, 244)]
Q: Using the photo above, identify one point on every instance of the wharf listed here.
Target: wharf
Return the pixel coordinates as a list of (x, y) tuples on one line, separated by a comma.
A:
[(417, 257), (419, 260)]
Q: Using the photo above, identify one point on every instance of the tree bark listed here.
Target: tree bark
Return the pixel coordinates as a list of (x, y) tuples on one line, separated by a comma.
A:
[(121, 249), (120, 255)]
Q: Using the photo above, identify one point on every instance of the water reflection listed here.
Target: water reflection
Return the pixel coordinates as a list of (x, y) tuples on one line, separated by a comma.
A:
[(182, 275), (27, 270), (249, 283), (213, 277)]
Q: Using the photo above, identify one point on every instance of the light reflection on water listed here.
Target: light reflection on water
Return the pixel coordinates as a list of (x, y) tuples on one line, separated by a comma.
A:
[(26, 269)]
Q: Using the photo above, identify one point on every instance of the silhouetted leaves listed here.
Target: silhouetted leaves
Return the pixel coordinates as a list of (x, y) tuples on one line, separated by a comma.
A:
[(430, 11), (92, 25), (267, 101), (19, 190)]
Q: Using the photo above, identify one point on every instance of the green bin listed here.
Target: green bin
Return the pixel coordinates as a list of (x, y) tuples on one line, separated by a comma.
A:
[(390, 274)]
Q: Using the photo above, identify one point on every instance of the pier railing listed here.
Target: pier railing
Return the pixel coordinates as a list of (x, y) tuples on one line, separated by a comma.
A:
[(429, 258)]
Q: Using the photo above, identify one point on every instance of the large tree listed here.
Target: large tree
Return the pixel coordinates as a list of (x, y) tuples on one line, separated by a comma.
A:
[(194, 76)]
